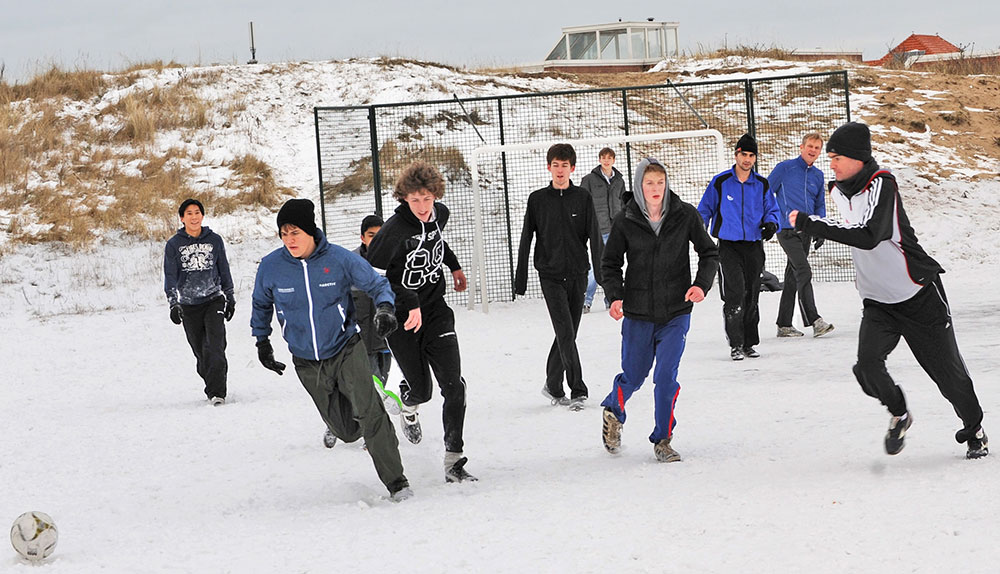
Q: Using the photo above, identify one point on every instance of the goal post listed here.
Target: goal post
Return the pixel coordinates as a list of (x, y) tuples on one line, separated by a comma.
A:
[(691, 157)]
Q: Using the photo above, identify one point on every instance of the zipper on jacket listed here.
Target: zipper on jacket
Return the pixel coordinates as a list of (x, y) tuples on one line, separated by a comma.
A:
[(312, 320)]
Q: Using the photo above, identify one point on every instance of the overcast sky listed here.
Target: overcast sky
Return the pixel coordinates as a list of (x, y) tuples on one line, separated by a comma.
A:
[(109, 35)]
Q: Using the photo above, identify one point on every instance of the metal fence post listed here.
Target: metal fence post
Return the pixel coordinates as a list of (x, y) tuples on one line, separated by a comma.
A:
[(847, 96), (628, 145), (376, 168), (319, 164), (751, 119), (506, 204)]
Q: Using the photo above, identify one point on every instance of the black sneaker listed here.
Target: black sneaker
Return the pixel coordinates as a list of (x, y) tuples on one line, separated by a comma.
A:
[(751, 352), (457, 472), (978, 445), (736, 354), (897, 432)]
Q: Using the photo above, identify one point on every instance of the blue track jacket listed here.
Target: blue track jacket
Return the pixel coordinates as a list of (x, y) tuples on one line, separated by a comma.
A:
[(798, 186), (734, 210), (313, 297)]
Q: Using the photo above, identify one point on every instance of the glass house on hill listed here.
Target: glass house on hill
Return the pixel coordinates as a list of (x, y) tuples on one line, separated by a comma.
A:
[(615, 47)]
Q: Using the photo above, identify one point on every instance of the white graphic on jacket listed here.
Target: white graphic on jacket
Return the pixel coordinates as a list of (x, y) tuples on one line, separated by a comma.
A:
[(423, 266), (197, 257)]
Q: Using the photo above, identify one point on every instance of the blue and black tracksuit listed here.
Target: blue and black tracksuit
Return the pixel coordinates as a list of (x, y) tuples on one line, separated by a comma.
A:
[(735, 211)]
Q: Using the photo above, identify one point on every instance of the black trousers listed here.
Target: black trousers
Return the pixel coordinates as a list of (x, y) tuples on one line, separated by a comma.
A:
[(205, 327), (740, 264), (924, 320), (798, 279), (341, 388), (564, 300), (433, 348)]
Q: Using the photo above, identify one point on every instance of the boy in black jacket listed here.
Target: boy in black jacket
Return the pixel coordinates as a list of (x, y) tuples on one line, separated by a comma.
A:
[(410, 248), (563, 217), (900, 287), (653, 232), (199, 289)]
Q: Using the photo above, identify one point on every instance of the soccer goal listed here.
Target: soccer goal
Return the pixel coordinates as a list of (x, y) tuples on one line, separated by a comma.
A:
[(504, 175)]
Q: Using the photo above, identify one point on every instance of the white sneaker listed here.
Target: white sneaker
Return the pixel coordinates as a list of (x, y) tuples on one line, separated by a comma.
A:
[(821, 327), (789, 332), (217, 401), (577, 404), (411, 424), (454, 468), (401, 494)]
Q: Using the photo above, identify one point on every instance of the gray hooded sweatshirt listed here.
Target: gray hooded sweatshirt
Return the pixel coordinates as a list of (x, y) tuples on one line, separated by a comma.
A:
[(640, 199)]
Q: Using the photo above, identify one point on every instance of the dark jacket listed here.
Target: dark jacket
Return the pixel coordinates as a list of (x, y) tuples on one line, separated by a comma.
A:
[(607, 195), (195, 269), (411, 253), (564, 220), (891, 265), (659, 268), (312, 297), (734, 210), (364, 313)]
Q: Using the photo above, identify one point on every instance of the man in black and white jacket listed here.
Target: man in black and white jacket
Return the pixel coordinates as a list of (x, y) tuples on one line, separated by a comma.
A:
[(901, 289)]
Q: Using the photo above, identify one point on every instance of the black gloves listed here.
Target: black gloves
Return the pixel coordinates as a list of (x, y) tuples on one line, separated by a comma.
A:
[(385, 320), (265, 354), (767, 230), (230, 307), (818, 242), (176, 313)]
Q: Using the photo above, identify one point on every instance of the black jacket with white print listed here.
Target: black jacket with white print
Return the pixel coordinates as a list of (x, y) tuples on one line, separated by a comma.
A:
[(195, 269)]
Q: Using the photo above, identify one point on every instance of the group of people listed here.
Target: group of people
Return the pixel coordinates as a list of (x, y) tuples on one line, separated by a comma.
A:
[(340, 311)]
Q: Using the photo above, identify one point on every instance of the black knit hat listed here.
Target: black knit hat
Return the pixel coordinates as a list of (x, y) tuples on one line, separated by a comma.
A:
[(188, 203), (747, 143), (300, 213), (852, 140), (370, 221)]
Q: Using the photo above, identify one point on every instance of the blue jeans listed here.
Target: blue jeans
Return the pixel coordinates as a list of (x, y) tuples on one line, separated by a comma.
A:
[(592, 284), (642, 341)]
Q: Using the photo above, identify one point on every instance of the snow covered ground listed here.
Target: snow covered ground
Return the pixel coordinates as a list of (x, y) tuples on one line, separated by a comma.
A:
[(783, 471)]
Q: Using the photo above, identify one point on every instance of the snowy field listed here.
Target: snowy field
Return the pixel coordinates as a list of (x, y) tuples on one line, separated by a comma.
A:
[(107, 430)]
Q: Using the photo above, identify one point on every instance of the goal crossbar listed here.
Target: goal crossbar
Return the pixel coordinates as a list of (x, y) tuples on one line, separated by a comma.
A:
[(478, 276)]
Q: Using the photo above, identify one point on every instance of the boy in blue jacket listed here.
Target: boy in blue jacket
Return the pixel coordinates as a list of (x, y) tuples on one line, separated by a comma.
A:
[(199, 289), (308, 282), (740, 211), (655, 297)]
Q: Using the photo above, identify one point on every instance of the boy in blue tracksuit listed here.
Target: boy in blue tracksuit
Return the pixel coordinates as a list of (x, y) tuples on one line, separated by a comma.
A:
[(655, 297), (799, 185), (308, 282), (740, 211), (199, 289)]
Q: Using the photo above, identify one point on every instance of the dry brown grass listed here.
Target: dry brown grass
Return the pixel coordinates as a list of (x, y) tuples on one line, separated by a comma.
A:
[(55, 82)]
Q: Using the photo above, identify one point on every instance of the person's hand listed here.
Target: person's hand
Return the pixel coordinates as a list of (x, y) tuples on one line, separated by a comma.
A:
[(385, 320), (230, 307), (265, 354), (767, 230), (792, 216), (695, 294), (616, 310), (176, 313), (460, 282), (413, 321), (818, 242)]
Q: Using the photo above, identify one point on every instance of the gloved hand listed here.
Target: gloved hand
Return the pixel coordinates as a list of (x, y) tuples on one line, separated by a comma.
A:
[(176, 313), (385, 320), (767, 230), (818, 242), (265, 354), (230, 307)]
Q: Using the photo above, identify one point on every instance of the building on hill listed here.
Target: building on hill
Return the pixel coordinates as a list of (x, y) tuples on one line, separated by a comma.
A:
[(616, 47), (921, 51)]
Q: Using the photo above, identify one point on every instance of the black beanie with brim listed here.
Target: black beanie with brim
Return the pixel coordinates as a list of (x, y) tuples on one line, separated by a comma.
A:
[(300, 213)]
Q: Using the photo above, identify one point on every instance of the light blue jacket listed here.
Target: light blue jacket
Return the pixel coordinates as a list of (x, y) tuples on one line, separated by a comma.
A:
[(798, 186), (312, 297)]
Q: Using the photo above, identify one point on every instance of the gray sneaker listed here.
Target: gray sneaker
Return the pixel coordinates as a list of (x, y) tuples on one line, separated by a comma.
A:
[(611, 432), (411, 424), (789, 332), (577, 404), (401, 494), (821, 327), (664, 452), (556, 401)]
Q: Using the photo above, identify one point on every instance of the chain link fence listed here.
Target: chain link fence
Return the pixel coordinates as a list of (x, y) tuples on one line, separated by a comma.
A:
[(362, 149)]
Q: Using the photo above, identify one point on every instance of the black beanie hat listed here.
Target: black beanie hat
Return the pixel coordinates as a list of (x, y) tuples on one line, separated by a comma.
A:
[(852, 140), (188, 203), (298, 212), (370, 221), (747, 143)]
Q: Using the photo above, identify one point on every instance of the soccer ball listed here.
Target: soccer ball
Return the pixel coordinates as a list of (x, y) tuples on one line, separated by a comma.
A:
[(34, 535)]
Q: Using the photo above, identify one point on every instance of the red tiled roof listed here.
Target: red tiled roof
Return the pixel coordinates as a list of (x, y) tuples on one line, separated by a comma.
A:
[(925, 42)]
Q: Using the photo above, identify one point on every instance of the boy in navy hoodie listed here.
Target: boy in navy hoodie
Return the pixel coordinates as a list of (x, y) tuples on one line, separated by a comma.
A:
[(199, 289)]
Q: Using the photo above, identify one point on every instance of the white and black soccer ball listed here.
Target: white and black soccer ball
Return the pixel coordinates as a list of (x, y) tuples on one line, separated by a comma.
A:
[(34, 535)]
